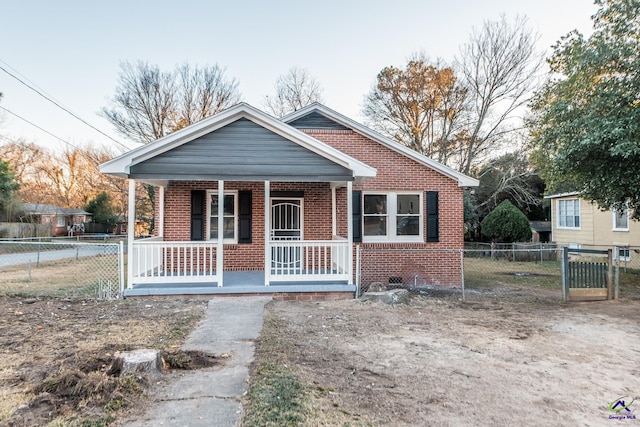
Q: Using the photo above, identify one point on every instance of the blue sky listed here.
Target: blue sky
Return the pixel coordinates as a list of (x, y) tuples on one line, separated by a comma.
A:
[(72, 49)]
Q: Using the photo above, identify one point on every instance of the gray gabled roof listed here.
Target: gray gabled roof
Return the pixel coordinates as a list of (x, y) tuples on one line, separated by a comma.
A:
[(314, 109), (239, 143)]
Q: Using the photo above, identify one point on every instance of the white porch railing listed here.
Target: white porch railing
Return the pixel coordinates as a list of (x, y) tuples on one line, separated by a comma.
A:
[(157, 261), (309, 260)]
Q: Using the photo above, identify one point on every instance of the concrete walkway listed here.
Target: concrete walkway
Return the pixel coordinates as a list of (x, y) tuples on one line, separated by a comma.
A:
[(211, 397)]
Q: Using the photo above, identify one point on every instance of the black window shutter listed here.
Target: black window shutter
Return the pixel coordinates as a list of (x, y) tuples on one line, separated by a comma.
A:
[(244, 217), (357, 215), (433, 226), (198, 200)]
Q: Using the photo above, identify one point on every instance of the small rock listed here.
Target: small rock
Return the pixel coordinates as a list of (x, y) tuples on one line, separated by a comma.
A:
[(394, 296)]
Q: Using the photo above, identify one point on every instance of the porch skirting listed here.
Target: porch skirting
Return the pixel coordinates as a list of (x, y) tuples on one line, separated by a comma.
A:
[(243, 283)]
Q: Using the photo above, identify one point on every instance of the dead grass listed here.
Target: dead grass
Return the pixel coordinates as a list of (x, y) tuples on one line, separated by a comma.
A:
[(60, 278), (56, 355)]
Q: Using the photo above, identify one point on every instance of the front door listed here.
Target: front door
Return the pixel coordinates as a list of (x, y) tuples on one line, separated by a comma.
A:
[(286, 225)]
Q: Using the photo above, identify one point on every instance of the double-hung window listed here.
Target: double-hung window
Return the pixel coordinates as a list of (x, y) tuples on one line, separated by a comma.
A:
[(391, 216), (230, 216), (569, 213), (621, 219)]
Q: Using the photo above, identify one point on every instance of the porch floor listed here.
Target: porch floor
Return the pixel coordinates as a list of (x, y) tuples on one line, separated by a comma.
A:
[(238, 282)]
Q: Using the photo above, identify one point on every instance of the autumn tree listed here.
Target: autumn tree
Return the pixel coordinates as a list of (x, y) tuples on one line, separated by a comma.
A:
[(419, 106), (499, 67), (586, 123), (294, 90), (150, 103), (67, 178)]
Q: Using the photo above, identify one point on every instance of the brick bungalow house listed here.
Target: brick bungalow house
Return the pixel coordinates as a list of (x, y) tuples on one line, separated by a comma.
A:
[(315, 183), (63, 221)]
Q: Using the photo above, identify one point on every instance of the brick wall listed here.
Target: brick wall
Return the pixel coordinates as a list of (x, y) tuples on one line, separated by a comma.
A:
[(396, 172), (316, 210)]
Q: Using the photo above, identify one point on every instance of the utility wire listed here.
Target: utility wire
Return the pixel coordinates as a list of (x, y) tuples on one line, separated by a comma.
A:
[(36, 126), (6, 138), (61, 107)]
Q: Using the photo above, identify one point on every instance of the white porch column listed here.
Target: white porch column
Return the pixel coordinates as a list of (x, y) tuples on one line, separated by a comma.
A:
[(220, 248), (350, 228), (334, 212), (267, 233), (131, 225), (160, 224)]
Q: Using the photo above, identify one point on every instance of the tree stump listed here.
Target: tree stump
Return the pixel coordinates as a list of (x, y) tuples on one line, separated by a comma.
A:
[(145, 361)]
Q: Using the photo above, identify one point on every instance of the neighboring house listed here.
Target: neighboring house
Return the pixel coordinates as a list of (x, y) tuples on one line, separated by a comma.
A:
[(579, 223), (291, 199), (540, 231), (63, 221)]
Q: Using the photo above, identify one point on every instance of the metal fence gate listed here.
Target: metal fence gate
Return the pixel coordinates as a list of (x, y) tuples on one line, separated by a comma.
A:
[(587, 274)]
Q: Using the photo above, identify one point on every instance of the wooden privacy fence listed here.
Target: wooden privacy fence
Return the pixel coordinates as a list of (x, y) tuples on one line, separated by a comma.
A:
[(588, 278)]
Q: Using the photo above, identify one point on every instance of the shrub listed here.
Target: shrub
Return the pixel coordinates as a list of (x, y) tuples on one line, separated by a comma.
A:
[(506, 223)]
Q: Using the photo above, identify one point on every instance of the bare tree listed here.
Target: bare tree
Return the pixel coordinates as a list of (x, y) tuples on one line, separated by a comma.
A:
[(499, 68), (419, 106), (294, 90), (150, 103)]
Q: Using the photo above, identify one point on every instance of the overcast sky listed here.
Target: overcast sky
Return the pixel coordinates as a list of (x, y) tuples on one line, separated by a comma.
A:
[(72, 50)]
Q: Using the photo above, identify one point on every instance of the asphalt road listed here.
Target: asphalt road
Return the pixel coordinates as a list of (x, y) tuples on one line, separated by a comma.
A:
[(49, 253)]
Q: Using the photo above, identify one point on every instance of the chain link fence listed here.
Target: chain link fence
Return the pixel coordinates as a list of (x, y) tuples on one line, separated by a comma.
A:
[(61, 268), (520, 272), (516, 274)]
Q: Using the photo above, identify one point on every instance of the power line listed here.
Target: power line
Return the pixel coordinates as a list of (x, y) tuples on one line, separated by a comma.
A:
[(6, 138), (61, 106), (36, 126)]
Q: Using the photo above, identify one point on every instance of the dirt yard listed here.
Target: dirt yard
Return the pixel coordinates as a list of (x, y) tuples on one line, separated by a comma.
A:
[(438, 361), (435, 361), (55, 356)]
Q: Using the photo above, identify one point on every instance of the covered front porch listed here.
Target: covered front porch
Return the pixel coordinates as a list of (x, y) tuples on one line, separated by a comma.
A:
[(243, 202), (159, 267)]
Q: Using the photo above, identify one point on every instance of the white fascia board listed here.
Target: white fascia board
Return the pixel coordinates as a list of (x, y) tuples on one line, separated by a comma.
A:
[(121, 165), (463, 180), (557, 196)]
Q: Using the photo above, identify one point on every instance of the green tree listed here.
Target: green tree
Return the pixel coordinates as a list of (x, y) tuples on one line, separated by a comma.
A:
[(102, 210), (8, 187), (586, 123), (506, 223)]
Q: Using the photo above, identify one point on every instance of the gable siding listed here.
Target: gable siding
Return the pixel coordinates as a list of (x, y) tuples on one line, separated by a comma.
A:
[(241, 151), (316, 120)]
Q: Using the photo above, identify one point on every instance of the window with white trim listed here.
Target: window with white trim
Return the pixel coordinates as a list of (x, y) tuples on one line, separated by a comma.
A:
[(230, 216), (623, 254), (621, 219), (569, 213), (60, 221), (391, 216)]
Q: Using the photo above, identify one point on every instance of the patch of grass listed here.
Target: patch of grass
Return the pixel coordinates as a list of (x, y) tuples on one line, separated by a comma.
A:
[(485, 272), (630, 282), (178, 330), (276, 396)]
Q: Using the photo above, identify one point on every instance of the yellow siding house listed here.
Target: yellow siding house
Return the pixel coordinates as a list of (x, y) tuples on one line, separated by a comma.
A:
[(579, 223)]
